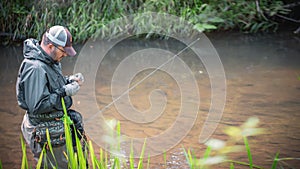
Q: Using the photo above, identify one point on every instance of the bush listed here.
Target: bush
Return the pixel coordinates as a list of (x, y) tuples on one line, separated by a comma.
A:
[(21, 19)]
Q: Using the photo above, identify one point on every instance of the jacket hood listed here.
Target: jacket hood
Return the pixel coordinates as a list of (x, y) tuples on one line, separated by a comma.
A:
[(32, 50)]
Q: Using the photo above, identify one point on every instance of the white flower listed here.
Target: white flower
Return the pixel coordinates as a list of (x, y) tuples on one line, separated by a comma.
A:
[(252, 131), (215, 144), (252, 122), (211, 160), (111, 123)]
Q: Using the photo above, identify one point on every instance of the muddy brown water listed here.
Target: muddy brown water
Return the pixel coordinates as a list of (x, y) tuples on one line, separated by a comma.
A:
[(261, 76)]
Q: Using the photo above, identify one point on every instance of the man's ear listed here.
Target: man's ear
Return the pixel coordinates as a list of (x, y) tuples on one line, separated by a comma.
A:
[(50, 46)]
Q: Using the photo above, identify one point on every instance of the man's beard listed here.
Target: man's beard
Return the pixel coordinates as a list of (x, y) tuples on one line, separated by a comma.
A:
[(53, 55)]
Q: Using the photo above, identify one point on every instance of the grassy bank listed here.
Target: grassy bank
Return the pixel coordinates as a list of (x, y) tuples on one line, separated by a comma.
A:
[(20, 19)]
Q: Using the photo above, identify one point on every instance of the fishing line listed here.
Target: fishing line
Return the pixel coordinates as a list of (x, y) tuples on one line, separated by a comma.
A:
[(139, 82)]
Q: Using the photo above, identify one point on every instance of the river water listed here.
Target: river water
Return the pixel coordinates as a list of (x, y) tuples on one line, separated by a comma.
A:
[(261, 81)]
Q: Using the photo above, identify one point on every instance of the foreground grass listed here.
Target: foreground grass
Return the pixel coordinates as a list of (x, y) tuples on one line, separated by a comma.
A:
[(79, 159), (217, 152)]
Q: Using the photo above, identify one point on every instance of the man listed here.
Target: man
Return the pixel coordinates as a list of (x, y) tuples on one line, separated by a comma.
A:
[(40, 87)]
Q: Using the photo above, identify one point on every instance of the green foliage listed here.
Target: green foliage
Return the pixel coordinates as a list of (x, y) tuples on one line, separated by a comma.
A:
[(87, 19), (202, 16), (78, 159), (190, 157), (49, 146), (24, 156), (140, 164), (250, 16), (222, 149), (248, 152), (165, 158), (275, 161), (231, 166)]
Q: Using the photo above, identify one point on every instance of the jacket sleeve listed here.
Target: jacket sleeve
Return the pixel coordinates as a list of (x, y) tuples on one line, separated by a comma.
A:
[(36, 92)]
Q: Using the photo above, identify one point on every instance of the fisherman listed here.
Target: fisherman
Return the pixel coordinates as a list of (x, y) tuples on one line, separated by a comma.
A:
[(40, 88)]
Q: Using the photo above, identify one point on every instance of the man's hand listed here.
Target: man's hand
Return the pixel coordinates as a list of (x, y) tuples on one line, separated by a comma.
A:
[(72, 88), (78, 77)]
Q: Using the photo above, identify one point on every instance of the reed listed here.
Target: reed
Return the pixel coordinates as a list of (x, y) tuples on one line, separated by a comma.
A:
[(24, 164), (274, 165), (165, 158), (248, 153), (222, 150), (78, 159)]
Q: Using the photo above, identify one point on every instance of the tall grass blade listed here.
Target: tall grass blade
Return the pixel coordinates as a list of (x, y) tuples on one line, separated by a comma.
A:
[(115, 162), (140, 165), (117, 159), (101, 160), (39, 163), (231, 166), (244, 164), (105, 160), (92, 155), (72, 162), (64, 106), (118, 129), (188, 157), (165, 158), (248, 152), (206, 155), (99, 164), (131, 157), (45, 157), (207, 152), (275, 161), (24, 156), (50, 146), (148, 163), (80, 153)]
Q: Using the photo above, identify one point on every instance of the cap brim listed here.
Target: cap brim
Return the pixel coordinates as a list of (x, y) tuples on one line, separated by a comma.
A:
[(70, 51)]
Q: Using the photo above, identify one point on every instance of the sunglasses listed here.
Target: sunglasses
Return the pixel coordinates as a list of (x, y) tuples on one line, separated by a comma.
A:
[(59, 48)]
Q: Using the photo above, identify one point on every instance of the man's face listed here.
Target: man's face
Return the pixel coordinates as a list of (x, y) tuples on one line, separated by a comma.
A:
[(57, 53)]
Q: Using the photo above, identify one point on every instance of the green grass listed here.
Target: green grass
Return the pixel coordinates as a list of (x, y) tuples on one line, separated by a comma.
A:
[(105, 160), (165, 158), (192, 161), (248, 152), (231, 166), (24, 156), (221, 152), (189, 158), (78, 160), (275, 161)]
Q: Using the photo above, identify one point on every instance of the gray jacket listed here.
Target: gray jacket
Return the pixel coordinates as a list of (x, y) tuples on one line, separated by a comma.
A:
[(40, 84)]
